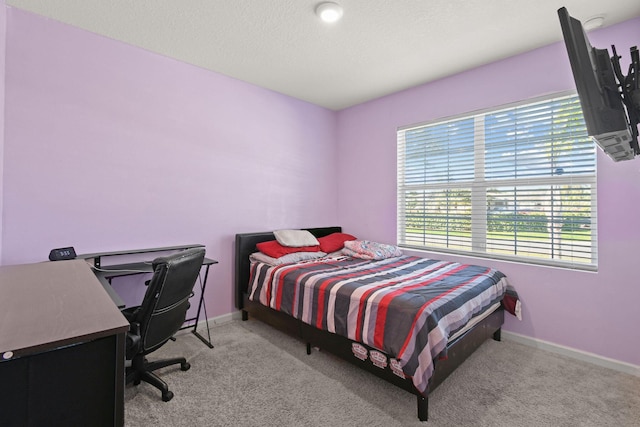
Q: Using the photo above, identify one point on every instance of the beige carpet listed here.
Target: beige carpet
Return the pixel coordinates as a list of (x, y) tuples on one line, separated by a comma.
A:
[(256, 376)]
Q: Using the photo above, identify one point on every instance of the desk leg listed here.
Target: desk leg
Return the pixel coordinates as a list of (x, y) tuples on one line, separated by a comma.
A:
[(120, 377), (201, 305)]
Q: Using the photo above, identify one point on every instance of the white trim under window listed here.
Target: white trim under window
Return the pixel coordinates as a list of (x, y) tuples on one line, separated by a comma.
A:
[(516, 183)]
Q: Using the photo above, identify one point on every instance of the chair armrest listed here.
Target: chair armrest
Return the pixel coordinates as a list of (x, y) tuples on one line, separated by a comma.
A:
[(133, 340), (130, 313)]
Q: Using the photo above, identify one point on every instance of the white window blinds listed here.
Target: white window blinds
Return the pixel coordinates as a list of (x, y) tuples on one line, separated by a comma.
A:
[(517, 183)]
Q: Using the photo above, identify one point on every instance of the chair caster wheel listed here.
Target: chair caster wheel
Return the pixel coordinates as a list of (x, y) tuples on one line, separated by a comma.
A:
[(185, 366), (167, 396)]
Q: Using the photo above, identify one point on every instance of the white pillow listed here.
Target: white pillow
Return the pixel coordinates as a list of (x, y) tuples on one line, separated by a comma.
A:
[(366, 249), (295, 238), (285, 259)]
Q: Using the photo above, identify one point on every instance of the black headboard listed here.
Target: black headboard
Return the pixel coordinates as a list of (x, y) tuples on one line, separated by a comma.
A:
[(246, 245)]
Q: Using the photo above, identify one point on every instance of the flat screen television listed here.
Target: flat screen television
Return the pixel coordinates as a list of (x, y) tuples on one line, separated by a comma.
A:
[(610, 101)]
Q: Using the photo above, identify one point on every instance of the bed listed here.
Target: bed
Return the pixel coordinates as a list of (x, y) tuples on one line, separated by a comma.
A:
[(410, 359)]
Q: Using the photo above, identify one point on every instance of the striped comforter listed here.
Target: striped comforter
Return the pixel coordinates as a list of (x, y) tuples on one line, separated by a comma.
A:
[(405, 306)]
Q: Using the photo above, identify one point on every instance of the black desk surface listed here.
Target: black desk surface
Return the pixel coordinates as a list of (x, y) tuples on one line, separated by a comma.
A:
[(140, 251), (106, 272), (135, 268)]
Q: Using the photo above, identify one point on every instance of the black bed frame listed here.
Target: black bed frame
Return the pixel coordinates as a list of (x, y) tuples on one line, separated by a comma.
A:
[(457, 351)]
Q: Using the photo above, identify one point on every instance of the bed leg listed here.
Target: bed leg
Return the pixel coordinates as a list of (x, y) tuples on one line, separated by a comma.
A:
[(423, 408), (497, 335), (245, 315), (308, 348)]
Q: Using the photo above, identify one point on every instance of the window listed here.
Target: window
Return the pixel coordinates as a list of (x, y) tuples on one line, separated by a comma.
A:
[(518, 183)]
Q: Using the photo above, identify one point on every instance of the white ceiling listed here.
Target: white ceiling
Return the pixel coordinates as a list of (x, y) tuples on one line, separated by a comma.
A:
[(379, 47)]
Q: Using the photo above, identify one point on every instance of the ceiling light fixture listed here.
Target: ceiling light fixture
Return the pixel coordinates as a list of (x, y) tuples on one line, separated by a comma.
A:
[(329, 11), (593, 23)]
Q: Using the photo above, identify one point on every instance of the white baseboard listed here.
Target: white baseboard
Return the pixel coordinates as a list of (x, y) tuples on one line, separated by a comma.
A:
[(225, 318), (213, 321), (584, 356)]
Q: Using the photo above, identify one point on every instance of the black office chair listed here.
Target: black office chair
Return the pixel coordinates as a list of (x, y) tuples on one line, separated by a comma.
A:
[(160, 316)]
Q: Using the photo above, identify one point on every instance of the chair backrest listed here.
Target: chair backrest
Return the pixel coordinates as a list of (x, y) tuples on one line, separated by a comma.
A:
[(166, 301)]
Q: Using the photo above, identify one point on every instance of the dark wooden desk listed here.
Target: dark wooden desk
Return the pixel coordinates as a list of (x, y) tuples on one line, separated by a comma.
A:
[(105, 273), (62, 343)]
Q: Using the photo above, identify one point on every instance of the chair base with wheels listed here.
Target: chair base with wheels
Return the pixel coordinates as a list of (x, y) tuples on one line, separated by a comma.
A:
[(142, 370)]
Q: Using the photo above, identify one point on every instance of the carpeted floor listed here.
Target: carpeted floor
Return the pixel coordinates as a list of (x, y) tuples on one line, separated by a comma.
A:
[(257, 376)]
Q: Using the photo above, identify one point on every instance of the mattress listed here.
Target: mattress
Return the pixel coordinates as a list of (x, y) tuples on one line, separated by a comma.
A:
[(407, 307)]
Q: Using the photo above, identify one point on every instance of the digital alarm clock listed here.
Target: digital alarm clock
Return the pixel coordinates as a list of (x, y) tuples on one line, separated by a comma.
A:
[(62, 254)]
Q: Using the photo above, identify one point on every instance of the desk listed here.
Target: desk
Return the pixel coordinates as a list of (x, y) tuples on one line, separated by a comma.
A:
[(59, 333), (106, 273)]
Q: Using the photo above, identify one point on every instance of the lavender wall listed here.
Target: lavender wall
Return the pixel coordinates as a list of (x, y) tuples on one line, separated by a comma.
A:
[(3, 28), (592, 312), (111, 147)]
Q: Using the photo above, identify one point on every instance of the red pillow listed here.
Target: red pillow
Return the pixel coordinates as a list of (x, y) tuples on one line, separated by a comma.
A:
[(275, 250), (334, 242)]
